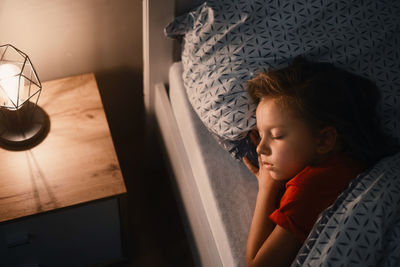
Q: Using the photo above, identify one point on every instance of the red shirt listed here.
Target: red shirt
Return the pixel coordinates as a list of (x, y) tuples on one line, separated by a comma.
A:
[(313, 190)]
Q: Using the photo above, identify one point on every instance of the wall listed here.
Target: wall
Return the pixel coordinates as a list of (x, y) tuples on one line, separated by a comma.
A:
[(68, 37)]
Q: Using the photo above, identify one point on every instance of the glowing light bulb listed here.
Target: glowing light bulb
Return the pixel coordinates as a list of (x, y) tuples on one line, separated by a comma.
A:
[(9, 82)]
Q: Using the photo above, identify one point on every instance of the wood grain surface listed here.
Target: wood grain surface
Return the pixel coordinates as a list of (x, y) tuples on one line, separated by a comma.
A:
[(74, 164)]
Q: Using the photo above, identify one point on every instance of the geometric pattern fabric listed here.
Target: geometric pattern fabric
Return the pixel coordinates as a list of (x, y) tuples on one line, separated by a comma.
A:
[(227, 42), (362, 228)]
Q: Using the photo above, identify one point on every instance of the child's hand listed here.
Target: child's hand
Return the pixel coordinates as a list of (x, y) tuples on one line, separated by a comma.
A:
[(262, 174), (254, 137)]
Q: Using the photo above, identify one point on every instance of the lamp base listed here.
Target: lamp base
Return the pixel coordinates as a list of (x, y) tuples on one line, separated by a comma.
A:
[(23, 128)]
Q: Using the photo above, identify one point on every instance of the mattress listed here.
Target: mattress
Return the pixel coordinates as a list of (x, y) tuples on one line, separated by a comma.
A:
[(226, 187)]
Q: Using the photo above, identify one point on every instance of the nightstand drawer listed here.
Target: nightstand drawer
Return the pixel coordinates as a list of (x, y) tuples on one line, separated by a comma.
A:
[(78, 236)]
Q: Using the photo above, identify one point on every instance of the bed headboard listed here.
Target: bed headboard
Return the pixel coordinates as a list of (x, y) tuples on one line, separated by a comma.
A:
[(157, 49)]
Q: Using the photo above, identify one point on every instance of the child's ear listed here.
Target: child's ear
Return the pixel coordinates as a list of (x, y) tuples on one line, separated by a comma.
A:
[(326, 140)]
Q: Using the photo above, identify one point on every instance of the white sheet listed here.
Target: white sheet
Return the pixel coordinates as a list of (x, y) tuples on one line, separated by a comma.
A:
[(227, 189)]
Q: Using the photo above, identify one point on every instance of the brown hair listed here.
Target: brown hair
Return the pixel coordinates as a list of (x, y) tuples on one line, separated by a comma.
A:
[(325, 95)]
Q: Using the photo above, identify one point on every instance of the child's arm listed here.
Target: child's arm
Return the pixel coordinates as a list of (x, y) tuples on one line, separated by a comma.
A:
[(267, 244)]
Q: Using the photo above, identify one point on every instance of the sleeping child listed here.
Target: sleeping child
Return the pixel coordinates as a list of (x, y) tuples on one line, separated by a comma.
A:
[(316, 131)]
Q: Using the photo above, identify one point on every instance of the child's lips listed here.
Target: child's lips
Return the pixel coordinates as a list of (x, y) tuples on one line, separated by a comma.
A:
[(267, 165)]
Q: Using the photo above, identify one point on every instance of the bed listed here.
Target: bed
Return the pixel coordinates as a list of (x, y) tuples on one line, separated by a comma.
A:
[(192, 156), (218, 193)]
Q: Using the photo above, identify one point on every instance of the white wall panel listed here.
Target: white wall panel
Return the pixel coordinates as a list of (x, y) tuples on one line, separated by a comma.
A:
[(67, 37)]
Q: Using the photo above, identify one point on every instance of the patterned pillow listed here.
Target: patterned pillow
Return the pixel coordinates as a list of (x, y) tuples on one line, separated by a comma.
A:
[(227, 42)]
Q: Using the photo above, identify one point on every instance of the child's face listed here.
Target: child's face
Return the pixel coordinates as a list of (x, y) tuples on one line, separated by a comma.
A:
[(286, 142)]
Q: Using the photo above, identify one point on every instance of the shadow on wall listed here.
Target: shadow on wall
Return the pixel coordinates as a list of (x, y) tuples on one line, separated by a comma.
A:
[(121, 91), (152, 231)]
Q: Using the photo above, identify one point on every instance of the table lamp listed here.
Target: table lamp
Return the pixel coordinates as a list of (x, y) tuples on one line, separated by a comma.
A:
[(23, 124)]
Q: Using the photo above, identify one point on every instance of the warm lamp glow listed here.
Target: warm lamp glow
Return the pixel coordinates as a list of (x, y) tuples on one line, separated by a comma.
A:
[(10, 84), (23, 124)]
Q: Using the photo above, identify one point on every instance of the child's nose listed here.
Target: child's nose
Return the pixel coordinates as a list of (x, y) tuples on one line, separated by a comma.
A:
[(263, 148)]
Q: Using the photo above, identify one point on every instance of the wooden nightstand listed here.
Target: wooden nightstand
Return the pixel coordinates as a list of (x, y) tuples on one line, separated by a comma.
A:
[(59, 200)]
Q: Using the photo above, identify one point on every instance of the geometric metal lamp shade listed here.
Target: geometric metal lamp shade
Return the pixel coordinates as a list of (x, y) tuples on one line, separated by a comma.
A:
[(23, 124), (18, 79)]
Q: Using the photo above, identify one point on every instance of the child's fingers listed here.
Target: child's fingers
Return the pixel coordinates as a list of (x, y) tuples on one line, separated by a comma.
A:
[(254, 137), (250, 166)]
